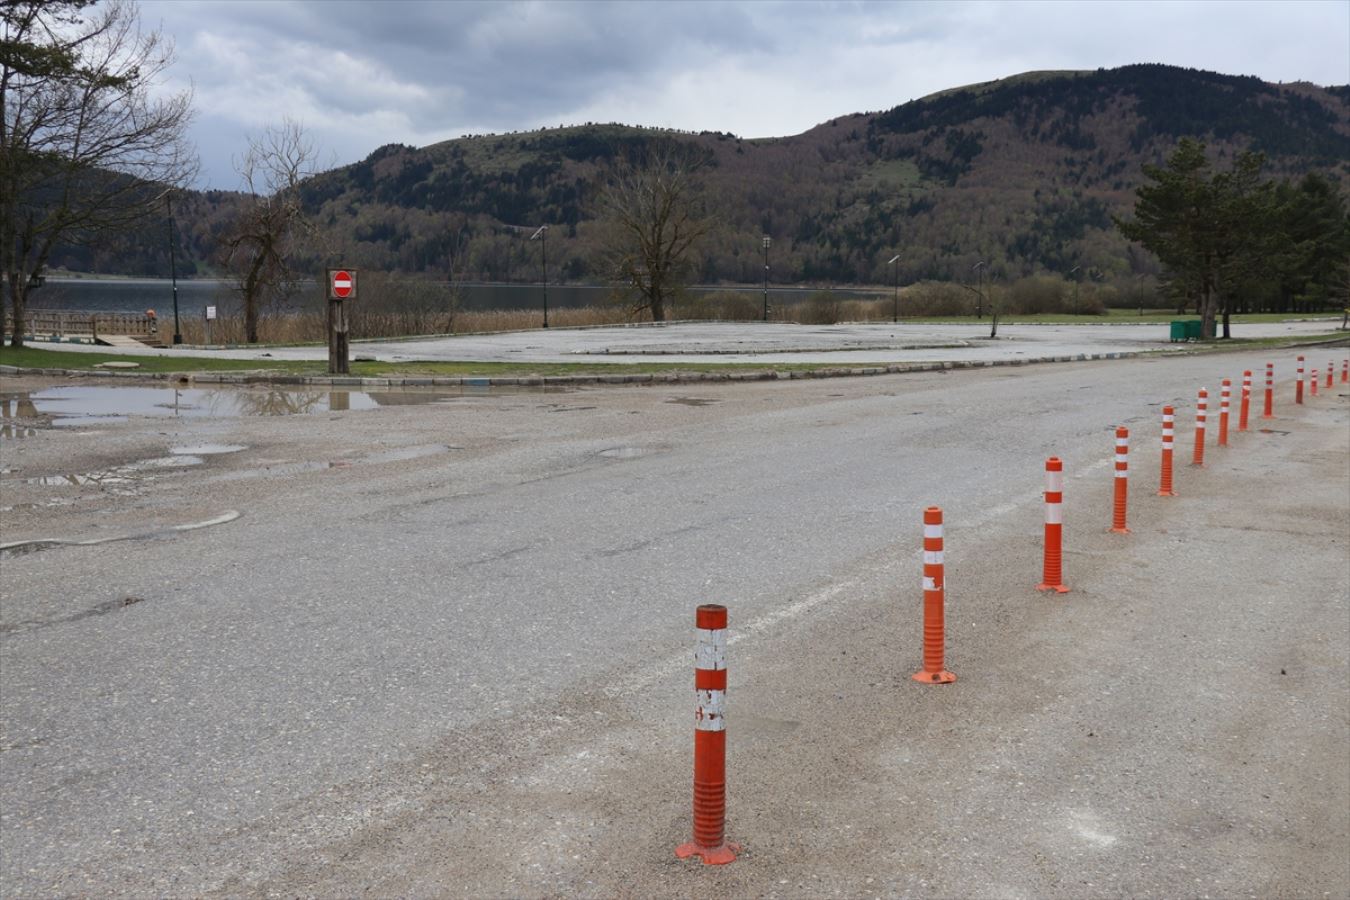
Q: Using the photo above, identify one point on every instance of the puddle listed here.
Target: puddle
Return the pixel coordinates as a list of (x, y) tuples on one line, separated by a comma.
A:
[(702, 401), (206, 449), (76, 406), (118, 475)]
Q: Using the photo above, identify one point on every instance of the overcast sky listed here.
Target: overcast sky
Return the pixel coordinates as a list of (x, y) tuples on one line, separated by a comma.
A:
[(362, 74)]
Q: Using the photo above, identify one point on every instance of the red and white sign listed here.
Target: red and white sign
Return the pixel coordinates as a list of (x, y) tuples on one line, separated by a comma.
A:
[(342, 283)]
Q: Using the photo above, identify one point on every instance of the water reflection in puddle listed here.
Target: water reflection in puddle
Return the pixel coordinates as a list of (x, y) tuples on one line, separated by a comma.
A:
[(129, 474), (70, 406)]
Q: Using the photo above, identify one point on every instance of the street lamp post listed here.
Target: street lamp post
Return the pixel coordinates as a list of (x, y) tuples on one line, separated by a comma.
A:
[(173, 272), (895, 274), (768, 241), (1139, 290), (978, 269), (1076, 280), (542, 236)]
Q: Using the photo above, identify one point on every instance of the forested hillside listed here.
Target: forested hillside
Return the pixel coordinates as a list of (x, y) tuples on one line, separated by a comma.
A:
[(1025, 173)]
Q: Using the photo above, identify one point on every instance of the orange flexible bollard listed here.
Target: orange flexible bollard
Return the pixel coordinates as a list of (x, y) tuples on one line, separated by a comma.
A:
[(1165, 487), (1201, 402), (1052, 578), (1331, 372), (1245, 405), (1312, 382), (1298, 385), (1224, 390), (710, 741), (1345, 372), (934, 599), (1122, 480), (1270, 392)]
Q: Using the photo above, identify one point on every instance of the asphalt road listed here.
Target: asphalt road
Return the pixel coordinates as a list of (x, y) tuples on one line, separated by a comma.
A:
[(445, 649)]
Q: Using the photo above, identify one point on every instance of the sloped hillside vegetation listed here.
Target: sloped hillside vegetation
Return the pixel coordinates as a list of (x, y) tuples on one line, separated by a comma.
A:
[(1025, 173)]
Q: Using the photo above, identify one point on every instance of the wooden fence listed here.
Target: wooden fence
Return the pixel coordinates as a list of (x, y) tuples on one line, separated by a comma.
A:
[(43, 323)]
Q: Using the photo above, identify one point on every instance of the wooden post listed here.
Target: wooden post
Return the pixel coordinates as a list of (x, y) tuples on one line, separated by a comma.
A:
[(341, 331), (341, 286), (337, 339)]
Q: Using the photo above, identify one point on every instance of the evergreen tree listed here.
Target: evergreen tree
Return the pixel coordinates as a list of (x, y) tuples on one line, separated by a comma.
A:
[(1175, 217)]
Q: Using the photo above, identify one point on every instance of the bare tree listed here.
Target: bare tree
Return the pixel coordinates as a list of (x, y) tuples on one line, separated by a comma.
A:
[(271, 221), (655, 217), (85, 150)]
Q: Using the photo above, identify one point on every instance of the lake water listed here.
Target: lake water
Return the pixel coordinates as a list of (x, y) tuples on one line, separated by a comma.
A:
[(138, 295)]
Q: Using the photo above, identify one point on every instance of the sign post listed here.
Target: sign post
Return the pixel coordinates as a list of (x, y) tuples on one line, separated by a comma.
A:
[(341, 286), (210, 314)]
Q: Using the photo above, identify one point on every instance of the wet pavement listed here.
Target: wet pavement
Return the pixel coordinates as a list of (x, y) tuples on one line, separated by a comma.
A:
[(757, 342)]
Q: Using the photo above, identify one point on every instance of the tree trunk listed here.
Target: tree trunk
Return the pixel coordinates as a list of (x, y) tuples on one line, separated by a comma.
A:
[(1223, 301), (251, 302), (18, 297), (1208, 307)]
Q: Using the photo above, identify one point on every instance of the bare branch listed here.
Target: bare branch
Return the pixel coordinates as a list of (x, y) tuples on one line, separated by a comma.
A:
[(650, 204), (272, 222), (85, 150)]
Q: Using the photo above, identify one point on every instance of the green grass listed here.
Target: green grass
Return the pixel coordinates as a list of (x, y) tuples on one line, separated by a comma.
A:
[(30, 357)]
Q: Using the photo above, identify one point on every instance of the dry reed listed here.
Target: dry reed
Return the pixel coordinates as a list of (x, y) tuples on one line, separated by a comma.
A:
[(389, 310)]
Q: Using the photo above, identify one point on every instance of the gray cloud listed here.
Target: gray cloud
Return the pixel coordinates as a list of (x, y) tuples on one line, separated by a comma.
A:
[(364, 74)]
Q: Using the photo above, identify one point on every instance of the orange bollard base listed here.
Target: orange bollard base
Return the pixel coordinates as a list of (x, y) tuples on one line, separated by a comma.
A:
[(934, 677), (711, 856), (1167, 493), (1120, 531), (1057, 588)]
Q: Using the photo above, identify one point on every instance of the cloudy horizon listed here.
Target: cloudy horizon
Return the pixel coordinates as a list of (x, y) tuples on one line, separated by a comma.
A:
[(360, 75)]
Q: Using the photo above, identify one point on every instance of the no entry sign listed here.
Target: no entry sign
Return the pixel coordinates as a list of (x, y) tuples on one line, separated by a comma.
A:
[(341, 284)]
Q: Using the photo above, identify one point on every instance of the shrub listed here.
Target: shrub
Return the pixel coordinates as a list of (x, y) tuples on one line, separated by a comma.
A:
[(1038, 294), (821, 308), (727, 306), (936, 298)]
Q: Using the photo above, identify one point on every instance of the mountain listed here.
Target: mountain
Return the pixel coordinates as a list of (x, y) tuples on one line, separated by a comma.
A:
[(1024, 172)]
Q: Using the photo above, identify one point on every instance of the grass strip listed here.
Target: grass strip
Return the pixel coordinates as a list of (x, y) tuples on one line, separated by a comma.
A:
[(38, 358)]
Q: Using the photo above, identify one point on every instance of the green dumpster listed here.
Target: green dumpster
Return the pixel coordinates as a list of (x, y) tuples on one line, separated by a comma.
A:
[(1178, 331), (1193, 330)]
